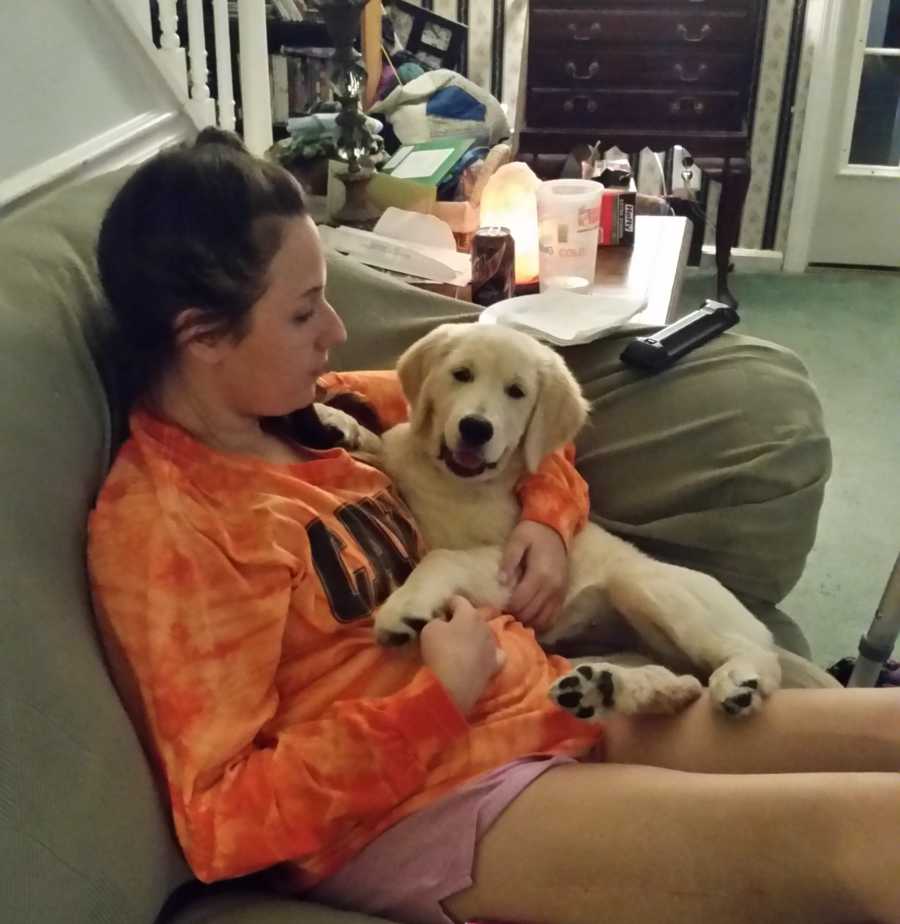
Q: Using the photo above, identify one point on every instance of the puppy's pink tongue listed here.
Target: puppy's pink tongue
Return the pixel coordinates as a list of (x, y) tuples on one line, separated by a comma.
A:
[(467, 459)]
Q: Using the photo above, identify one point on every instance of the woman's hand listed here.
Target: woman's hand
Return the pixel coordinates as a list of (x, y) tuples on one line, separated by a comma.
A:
[(535, 567), (462, 653)]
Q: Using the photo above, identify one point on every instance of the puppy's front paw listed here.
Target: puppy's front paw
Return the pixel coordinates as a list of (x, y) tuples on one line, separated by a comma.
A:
[(354, 436), (592, 690), (402, 617)]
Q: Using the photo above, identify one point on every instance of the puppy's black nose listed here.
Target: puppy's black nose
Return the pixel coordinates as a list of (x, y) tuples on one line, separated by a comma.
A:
[(475, 430)]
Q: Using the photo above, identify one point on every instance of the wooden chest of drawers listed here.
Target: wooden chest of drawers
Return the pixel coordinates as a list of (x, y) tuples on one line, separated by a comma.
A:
[(653, 73), (669, 71)]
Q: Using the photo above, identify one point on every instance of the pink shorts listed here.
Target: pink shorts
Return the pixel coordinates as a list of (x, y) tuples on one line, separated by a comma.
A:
[(405, 873)]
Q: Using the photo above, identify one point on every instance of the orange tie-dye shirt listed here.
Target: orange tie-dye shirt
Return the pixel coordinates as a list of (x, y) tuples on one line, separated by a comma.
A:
[(235, 601)]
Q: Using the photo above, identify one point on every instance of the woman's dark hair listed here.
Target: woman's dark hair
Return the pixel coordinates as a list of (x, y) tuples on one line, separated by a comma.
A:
[(195, 227)]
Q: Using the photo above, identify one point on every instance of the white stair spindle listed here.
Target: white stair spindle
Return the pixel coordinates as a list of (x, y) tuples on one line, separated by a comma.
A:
[(168, 25), (201, 103), (224, 82), (170, 43), (253, 48)]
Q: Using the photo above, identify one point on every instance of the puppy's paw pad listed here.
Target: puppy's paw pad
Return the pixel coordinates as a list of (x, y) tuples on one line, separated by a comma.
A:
[(398, 624), (393, 639), (416, 623), (738, 693), (587, 692), (601, 687), (396, 632)]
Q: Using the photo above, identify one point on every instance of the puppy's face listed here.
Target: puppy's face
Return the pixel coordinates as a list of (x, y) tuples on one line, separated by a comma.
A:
[(483, 399), (481, 394)]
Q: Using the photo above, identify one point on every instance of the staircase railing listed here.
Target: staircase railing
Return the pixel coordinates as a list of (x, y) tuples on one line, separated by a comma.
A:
[(185, 66)]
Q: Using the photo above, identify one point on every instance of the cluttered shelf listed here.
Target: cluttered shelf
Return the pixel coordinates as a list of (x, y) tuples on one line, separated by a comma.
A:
[(398, 40), (427, 173)]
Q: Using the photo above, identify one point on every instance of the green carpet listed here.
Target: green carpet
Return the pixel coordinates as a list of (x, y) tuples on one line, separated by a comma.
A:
[(845, 325)]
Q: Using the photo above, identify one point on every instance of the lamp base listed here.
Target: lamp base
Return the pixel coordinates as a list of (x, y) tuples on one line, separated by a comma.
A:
[(357, 211)]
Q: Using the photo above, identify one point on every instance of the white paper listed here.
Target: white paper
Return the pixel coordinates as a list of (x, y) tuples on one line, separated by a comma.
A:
[(565, 318), (433, 264), (421, 164), (415, 228), (398, 155)]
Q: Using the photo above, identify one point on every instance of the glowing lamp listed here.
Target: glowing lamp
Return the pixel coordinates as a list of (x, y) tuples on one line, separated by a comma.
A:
[(510, 199)]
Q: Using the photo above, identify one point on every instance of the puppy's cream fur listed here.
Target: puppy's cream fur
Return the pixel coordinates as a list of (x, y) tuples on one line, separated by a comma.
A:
[(464, 500)]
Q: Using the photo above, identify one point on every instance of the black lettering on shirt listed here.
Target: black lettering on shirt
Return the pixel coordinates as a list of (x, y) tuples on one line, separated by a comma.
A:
[(385, 534)]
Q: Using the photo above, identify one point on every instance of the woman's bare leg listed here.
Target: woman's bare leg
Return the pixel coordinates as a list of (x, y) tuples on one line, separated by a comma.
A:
[(795, 731), (605, 842)]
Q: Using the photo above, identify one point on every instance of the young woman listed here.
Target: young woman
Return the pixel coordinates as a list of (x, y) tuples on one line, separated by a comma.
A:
[(236, 567)]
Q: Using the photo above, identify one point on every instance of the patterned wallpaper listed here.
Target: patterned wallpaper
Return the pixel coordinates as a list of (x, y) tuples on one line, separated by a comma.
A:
[(765, 125), (793, 156), (484, 48)]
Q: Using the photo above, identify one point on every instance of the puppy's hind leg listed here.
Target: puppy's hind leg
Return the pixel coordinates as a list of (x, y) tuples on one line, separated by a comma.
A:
[(596, 688), (685, 614)]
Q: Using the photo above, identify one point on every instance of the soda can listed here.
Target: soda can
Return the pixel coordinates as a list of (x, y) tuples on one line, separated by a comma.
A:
[(493, 265)]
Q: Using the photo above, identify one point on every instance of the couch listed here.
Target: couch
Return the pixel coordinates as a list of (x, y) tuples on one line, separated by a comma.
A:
[(84, 836)]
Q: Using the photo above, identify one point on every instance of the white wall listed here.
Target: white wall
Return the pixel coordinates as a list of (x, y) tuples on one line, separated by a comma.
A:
[(77, 94)]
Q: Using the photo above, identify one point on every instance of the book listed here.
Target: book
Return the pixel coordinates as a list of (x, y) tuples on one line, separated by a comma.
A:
[(427, 162), (286, 11), (278, 74)]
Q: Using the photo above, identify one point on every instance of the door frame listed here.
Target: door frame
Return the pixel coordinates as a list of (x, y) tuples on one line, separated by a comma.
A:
[(821, 34), (823, 20)]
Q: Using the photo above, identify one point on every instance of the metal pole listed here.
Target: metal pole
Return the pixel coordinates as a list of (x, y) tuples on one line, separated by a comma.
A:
[(876, 646)]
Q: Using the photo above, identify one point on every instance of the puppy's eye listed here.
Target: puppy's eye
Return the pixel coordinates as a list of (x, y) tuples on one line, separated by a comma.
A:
[(515, 391), (462, 374)]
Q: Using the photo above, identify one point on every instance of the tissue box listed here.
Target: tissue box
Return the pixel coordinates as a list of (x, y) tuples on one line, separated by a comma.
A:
[(384, 191), (617, 218)]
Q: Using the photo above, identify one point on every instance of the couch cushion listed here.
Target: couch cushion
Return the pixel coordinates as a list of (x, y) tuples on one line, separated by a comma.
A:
[(245, 906), (83, 832), (83, 835)]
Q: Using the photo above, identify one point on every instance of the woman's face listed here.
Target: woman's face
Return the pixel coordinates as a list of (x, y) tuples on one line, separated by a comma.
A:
[(272, 371)]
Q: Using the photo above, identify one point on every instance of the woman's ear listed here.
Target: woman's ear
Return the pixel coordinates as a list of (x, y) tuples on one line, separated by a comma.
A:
[(195, 334), (559, 414), (414, 367)]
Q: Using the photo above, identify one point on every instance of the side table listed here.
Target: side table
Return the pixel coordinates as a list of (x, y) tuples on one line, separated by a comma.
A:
[(654, 267)]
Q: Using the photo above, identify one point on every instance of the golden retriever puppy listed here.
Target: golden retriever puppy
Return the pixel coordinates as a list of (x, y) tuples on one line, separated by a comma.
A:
[(487, 405)]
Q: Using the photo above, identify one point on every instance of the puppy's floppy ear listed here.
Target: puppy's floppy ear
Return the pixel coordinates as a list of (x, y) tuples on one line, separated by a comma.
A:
[(559, 414), (414, 367)]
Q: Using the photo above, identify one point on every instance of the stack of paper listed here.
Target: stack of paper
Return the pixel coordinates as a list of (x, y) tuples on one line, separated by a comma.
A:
[(415, 245), (565, 318)]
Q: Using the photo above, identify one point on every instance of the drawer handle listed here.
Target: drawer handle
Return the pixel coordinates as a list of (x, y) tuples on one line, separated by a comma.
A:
[(690, 78), (591, 33), (590, 105), (687, 105), (704, 32), (592, 71)]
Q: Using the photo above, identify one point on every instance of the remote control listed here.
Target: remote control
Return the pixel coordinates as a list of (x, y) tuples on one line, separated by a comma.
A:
[(658, 351)]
